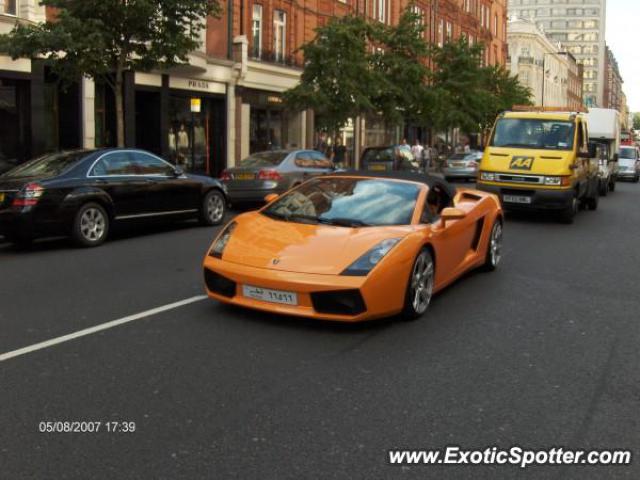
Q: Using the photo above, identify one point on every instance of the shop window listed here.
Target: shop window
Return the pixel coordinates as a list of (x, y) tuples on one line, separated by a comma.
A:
[(256, 31)]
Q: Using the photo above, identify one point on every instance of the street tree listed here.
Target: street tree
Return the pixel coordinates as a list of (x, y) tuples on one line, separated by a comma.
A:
[(103, 39), (502, 92), (636, 121), (458, 90), (401, 61), (339, 73)]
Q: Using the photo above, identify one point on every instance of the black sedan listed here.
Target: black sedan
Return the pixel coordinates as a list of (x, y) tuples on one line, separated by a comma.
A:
[(81, 193)]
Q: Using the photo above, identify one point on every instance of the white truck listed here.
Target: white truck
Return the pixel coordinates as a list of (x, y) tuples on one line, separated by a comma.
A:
[(604, 131)]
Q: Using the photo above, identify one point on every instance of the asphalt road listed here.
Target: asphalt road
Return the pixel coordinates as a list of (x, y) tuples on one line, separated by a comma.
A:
[(542, 353)]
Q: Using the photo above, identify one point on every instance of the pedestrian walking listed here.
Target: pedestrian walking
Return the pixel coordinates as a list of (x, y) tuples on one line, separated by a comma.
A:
[(339, 154)]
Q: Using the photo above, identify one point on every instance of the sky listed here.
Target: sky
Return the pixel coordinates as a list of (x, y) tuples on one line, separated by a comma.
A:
[(623, 23)]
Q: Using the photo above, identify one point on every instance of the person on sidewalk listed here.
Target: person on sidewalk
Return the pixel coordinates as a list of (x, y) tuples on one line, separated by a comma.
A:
[(417, 151)]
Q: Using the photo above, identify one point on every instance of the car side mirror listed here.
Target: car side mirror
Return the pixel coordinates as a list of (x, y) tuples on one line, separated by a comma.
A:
[(451, 213), (271, 197), (178, 172)]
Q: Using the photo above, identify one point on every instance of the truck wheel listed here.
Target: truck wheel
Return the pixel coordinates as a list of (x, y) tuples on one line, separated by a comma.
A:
[(592, 201), (603, 188), (569, 214)]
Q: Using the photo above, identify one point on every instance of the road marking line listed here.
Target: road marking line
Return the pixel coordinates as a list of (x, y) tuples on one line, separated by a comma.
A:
[(99, 328)]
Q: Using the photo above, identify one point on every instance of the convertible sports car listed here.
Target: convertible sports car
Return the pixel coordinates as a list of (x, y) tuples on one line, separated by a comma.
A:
[(355, 246)]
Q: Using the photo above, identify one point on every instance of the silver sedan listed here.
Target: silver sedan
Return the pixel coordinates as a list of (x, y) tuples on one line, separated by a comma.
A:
[(462, 165), (274, 171)]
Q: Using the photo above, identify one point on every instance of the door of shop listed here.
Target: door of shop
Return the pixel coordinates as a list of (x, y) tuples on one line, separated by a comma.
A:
[(196, 138)]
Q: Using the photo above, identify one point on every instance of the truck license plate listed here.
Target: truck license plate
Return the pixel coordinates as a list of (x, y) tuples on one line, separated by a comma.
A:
[(268, 295), (516, 199)]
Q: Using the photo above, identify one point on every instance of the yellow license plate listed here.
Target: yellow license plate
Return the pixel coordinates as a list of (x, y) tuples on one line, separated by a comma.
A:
[(244, 176), (377, 168), (2, 197)]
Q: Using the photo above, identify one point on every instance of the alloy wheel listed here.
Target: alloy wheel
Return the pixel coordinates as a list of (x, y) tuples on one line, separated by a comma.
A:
[(92, 224), (215, 208), (495, 246), (422, 283)]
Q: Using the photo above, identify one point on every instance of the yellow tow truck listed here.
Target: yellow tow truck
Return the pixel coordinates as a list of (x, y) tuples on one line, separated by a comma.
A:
[(540, 158)]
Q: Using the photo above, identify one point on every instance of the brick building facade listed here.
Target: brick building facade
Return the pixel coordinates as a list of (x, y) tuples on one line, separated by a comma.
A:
[(227, 102)]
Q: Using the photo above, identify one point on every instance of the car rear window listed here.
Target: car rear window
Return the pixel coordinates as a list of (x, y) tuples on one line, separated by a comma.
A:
[(378, 155), (49, 165), (264, 159)]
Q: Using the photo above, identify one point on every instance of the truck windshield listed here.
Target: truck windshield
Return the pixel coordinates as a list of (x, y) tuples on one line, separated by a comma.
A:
[(533, 133), (629, 152)]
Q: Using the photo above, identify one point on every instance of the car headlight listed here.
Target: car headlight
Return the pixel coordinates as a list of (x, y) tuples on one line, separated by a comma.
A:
[(362, 266), (488, 176), (221, 242), (553, 181)]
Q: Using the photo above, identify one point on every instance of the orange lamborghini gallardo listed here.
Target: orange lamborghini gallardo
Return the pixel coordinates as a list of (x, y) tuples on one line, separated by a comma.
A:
[(355, 246)]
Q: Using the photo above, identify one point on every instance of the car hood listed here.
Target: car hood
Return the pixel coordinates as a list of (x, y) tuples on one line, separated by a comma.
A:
[(262, 242), (527, 161)]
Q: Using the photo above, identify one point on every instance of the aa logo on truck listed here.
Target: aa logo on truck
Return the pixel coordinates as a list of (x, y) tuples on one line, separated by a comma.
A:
[(521, 163)]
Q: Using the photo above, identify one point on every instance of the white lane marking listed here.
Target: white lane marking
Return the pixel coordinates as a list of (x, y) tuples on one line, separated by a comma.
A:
[(99, 328)]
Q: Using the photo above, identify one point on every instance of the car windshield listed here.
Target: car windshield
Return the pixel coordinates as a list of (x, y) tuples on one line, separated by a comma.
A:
[(264, 159), (533, 133), (458, 156), (49, 165), (629, 153), (350, 202)]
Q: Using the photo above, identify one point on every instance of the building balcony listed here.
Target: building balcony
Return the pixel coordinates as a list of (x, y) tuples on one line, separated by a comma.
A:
[(271, 57)]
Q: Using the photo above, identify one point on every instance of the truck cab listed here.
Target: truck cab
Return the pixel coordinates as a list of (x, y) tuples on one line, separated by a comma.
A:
[(541, 160)]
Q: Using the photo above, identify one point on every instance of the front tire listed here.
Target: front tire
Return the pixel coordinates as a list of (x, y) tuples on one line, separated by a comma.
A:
[(568, 215), (592, 202), (213, 209), (420, 286), (91, 225), (494, 247)]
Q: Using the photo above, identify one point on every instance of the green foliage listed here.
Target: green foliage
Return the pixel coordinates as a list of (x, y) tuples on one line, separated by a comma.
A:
[(636, 121), (356, 67), (339, 75)]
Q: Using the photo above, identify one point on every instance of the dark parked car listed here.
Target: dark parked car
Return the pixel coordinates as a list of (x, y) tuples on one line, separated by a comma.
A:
[(389, 159), (81, 193), (274, 171)]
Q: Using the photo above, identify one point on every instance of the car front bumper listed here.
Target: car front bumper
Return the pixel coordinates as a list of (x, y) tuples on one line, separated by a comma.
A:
[(540, 199), (459, 172), (627, 174), (305, 286)]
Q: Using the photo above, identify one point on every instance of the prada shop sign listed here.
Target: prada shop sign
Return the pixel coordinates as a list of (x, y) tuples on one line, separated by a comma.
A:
[(195, 84)]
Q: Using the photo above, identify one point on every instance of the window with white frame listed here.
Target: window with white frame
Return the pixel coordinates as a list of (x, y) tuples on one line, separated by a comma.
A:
[(381, 10), (441, 33), (256, 31), (279, 34), (449, 31), (11, 7)]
